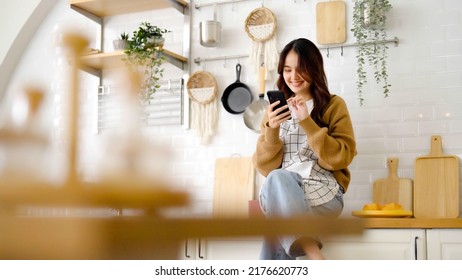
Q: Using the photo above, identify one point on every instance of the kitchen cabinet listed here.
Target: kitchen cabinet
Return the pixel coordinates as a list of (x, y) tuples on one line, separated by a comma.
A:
[(236, 248), (397, 244), (444, 244), (187, 250), (231, 248), (377, 244), (373, 244)]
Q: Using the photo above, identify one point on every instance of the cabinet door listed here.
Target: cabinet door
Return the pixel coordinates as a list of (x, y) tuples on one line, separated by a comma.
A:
[(188, 249), (444, 244), (377, 244), (230, 248)]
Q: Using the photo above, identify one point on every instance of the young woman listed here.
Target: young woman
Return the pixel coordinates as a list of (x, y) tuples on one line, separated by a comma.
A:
[(304, 153)]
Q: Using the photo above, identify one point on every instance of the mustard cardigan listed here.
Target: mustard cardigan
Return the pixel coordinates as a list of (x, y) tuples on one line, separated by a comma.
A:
[(334, 145)]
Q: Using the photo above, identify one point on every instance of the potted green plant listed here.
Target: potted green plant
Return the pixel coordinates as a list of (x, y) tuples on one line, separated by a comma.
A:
[(145, 53), (369, 20), (121, 43)]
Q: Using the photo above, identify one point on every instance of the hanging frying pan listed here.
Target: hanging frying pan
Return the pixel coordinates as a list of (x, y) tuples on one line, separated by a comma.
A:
[(254, 113), (237, 96)]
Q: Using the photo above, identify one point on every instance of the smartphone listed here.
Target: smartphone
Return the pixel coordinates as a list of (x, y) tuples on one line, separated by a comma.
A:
[(275, 95)]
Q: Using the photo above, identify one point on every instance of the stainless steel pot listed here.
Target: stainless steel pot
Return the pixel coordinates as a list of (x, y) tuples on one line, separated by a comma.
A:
[(210, 31)]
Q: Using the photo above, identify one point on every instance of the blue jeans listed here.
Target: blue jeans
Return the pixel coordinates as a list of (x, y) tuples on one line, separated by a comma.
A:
[(282, 195)]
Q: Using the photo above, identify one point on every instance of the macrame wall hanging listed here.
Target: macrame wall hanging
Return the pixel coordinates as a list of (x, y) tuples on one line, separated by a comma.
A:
[(260, 26), (202, 90)]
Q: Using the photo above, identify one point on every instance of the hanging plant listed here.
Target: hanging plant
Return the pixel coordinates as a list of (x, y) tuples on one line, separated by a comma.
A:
[(369, 20), (145, 53)]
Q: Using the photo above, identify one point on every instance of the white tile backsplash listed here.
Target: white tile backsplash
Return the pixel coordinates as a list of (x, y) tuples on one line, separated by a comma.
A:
[(433, 127), (425, 72), (419, 113)]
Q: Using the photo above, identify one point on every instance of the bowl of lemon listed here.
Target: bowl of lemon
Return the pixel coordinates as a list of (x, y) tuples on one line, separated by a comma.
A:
[(388, 210)]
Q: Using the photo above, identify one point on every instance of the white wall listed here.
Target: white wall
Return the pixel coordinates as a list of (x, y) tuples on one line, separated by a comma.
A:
[(18, 23), (425, 72), (12, 19)]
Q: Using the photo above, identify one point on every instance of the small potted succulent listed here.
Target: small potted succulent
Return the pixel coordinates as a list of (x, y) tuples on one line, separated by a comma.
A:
[(145, 53), (121, 43)]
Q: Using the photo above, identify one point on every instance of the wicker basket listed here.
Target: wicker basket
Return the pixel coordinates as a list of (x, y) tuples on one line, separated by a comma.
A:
[(261, 24), (202, 87)]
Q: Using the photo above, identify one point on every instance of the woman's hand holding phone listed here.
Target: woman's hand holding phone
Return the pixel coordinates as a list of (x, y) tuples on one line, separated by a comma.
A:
[(277, 112)]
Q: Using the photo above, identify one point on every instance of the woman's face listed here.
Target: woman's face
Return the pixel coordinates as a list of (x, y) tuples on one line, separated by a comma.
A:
[(292, 78)]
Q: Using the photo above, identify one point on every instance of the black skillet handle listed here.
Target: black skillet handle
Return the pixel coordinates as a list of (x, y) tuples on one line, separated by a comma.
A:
[(238, 72)]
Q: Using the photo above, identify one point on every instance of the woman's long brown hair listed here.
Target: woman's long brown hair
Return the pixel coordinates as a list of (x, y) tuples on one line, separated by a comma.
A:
[(311, 68)]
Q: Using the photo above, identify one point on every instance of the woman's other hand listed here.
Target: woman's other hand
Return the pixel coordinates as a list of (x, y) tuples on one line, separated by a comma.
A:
[(299, 107)]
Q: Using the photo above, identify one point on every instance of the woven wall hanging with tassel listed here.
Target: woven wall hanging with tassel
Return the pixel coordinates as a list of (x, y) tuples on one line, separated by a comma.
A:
[(202, 90), (260, 26)]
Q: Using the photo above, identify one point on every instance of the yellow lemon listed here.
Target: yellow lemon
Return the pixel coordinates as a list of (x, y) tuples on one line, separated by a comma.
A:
[(371, 206), (392, 206)]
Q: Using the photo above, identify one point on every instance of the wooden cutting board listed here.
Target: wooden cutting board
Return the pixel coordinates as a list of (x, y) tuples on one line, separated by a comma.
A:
[(234, 186), (330, 22), (436, 183), (393, 188)]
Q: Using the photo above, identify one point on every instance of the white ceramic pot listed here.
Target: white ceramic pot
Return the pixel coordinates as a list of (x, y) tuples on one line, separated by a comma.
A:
[(119, 44)]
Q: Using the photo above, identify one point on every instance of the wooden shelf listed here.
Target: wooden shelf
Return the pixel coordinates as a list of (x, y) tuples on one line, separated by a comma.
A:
[(123, 192), (105, 8), (143, 237), (22, 137), (102, 61), (99, 9)]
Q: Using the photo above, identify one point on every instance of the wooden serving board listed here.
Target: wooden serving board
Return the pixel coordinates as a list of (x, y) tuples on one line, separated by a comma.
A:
[(393, 188), (436, 183), (234, 186), (330, 22)]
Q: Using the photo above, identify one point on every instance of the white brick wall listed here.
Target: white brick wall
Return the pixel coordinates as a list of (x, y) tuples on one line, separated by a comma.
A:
[(425, 71)]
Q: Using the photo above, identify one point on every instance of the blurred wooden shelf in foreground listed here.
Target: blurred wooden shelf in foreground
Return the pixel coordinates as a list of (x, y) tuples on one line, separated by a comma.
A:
[(148, 195), (143, 237)]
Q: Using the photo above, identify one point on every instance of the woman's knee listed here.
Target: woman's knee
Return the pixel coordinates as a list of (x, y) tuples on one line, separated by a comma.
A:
[(282, 183), (282, 177)]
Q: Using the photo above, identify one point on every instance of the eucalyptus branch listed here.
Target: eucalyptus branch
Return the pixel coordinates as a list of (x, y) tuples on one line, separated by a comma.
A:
[(369, 20)]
